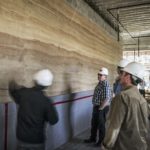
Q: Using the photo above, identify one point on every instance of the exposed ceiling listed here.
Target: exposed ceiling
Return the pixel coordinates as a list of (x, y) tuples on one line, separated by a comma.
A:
[(130, 17)]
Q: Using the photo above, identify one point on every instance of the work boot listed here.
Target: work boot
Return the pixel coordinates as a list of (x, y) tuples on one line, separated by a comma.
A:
[(89, 140), (97, 144)]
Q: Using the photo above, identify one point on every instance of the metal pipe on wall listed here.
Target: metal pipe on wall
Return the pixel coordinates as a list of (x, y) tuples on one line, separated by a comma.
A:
[(5, 126)]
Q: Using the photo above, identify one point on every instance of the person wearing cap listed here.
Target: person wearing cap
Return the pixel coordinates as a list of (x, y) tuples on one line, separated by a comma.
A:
[(101, 101), (117, 86), (127, 125), (34, 110)]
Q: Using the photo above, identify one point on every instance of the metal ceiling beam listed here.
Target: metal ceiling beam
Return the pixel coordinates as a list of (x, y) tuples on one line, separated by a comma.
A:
[(118, 33), (129, 44), (117, 18), (98, 11), (120, 24), (138, 47), (123, 7), (128, 6), (142, 36)]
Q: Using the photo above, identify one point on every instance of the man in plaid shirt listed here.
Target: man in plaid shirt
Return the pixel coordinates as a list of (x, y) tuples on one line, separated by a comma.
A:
[(101, 101)]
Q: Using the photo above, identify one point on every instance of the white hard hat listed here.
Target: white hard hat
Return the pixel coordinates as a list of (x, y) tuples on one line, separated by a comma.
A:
[(135, 69), (103, 71), (123, 63), (43, 77)]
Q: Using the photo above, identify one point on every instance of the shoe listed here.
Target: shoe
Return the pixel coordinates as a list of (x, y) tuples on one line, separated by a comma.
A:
[(98, 144), (89, 141)]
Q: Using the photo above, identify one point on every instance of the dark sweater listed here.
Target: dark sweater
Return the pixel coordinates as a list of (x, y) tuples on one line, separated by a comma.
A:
[(34, 109)]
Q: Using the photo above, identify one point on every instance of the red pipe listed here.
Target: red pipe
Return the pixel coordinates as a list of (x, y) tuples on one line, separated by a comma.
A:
[(67, 101), (6, 116), (5, 126)]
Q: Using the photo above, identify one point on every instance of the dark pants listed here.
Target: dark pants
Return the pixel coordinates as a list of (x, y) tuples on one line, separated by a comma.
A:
[(98, 123), (26, 146), (142, 92)]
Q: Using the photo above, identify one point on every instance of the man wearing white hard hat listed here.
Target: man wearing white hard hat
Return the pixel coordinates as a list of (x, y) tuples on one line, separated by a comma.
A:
[(127, 123), (101, 101), (117, 86), (34, 109)]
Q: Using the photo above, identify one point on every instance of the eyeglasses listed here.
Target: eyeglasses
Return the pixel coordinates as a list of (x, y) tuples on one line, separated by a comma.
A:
[(120, 72), (100, 74)]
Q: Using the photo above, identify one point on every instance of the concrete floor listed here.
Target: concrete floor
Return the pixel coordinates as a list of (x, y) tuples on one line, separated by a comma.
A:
[(78, 144)]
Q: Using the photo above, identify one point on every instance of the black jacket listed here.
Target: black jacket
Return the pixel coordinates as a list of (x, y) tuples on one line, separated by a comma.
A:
[(34, 109)]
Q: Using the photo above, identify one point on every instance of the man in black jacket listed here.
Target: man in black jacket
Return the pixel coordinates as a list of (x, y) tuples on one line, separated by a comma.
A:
[(34, 110)]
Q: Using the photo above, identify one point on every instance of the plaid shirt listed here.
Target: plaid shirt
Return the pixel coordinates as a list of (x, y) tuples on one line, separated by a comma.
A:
[(102, 92)]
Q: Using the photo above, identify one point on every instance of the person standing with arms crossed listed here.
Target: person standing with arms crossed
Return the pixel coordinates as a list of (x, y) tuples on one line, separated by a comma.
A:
[(101, 101), (34, 110)]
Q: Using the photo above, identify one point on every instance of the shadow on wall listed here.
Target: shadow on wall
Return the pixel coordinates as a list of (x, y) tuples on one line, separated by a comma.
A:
[(71, 97)]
